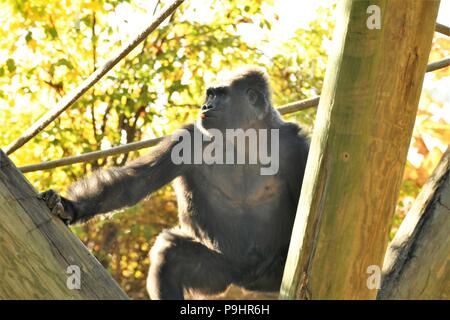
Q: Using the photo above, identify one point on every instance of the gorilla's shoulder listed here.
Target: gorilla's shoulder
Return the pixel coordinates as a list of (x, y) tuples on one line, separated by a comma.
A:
[(168, 141), (291, 130), (294, 140), (189, 127), (186, 129)]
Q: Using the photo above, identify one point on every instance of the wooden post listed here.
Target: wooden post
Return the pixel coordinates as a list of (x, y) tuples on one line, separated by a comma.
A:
[(417, 262), (36, 249), (360, 141)]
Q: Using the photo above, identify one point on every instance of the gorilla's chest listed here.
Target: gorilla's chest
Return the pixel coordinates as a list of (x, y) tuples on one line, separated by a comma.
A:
[(239, 186)]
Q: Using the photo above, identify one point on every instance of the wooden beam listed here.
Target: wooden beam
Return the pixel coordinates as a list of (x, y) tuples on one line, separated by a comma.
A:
[(443, 29), (36, 248), (417, 262), (360, 141), (438, 65)]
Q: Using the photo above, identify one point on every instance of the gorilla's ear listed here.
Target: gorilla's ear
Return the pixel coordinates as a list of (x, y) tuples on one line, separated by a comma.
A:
[(255, 97)]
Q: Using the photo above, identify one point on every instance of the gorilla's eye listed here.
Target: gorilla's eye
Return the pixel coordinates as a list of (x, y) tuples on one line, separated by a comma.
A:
[(217, 92), (221, 92), (210, 94)]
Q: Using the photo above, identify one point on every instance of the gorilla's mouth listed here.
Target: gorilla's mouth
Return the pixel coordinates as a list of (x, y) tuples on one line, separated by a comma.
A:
[(208, 114)]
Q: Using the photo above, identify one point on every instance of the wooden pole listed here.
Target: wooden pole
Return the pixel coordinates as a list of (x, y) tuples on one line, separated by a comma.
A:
[(417, 262), (360, 141), (438, 65), (39, 256), (443, 29)]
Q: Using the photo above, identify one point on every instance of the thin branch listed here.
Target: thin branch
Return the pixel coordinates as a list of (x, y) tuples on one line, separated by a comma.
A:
[(94, 42), (63, 45), (94, 62)]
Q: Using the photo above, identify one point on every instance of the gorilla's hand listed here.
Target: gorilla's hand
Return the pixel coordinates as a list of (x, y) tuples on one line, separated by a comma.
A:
[(58, 205)]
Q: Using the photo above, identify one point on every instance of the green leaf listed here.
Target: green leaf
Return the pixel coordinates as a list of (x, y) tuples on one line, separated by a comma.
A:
[(29, 36), (51, 31), (64, 62), (11, 64)]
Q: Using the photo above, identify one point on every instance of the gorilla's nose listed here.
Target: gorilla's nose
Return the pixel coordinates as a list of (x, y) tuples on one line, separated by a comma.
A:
[(207, 107)]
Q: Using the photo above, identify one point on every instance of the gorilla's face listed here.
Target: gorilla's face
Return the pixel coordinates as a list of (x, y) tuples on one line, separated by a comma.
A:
[(231, 107)]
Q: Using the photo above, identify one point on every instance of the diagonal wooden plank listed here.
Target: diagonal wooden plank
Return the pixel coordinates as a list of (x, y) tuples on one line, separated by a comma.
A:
[(36, 248), (417, 262)]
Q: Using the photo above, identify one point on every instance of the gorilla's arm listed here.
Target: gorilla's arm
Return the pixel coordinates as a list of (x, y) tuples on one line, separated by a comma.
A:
[(296, 148), (116, 187)]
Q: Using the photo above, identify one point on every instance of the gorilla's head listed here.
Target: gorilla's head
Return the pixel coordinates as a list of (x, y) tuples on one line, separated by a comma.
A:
[(241, 101)]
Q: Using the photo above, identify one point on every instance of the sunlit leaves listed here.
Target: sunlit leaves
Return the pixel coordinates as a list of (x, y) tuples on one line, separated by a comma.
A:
[(11, 65)]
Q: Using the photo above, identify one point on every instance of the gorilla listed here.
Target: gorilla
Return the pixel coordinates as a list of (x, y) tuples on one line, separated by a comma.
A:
[(234, 222)]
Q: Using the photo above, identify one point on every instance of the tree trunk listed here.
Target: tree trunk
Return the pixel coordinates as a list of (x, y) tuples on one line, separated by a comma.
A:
[(358, 151), (39, 256), (417, 262)]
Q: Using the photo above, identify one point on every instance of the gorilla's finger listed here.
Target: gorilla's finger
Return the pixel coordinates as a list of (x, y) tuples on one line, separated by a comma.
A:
[(47, 194), (58, 211), (44, 195), (53, 200), (67, 216)]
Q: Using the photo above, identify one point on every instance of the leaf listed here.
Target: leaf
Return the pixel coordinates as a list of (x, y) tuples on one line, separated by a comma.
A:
[(11, 64), (245, 20), (29, 36), (51, 31), (64, 62)]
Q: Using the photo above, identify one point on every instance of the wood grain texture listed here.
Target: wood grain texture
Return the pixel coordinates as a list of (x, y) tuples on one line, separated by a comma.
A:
[(358, 151), (36, 248), (417, 262)]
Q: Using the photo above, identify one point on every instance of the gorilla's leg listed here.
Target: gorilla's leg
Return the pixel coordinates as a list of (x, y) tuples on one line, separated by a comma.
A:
[(180, 262), (267, 275)]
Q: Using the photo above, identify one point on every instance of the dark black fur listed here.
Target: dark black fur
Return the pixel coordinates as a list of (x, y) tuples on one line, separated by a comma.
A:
[(234, 224)]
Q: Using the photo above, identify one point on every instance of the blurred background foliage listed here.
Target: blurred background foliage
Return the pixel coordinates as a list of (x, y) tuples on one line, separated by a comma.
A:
[(48, 47)]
